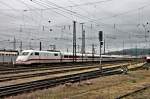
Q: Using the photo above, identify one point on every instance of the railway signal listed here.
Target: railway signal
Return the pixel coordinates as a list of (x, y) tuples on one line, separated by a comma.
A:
[(101, 43), (100, 36)]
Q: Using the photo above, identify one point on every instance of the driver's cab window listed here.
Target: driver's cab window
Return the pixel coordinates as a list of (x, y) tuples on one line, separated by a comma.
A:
[(36, 53), (32, 54), (24, 53)]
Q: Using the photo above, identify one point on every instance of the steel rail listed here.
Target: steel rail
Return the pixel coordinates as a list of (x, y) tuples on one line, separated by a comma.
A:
[(15, 70), (14, 89), (51, 82), (5, 78), (133, 92)]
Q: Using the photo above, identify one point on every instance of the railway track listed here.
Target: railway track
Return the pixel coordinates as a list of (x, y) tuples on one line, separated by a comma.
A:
[(14, 89), (145, 66), (134, 92), (30, 69), (50, 72), (10, 67), (21, 70), (51, 82), (56, 71)]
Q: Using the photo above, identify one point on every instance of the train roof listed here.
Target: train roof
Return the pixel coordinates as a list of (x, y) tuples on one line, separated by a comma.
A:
[(13, 52), (8, 51), (41, 51), (70, 53)]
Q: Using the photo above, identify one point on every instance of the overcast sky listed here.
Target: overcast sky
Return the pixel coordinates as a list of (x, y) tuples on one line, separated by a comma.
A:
[(125, 23)]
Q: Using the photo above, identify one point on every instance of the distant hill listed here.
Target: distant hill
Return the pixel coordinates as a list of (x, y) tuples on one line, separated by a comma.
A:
[(132, 52)]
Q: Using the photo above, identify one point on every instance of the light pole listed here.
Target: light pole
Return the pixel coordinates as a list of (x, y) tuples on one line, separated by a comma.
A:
[(83, 41), (74, 41)]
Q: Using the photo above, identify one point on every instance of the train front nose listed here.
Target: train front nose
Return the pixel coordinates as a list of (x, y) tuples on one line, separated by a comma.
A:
[(21, 59)]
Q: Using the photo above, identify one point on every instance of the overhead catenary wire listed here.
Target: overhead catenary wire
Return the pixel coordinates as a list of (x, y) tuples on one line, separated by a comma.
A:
[(88, 18), (69, 12), (45, 5), (61, 7), (80, 8), (30, 9), (113, 15), (7, 5), (124, 13), (63, 11), (75, 5)]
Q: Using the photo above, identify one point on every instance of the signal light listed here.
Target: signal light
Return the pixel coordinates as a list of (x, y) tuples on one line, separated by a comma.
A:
[(100, 36)]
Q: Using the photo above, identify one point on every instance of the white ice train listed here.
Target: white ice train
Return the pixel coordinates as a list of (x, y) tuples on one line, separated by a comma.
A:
[(34, 56)]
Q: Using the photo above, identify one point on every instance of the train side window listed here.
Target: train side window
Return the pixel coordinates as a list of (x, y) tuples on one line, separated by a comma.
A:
[(37, 53), (42, 54), (65, 56), (55, 54), (48, 54), (45, 54)]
